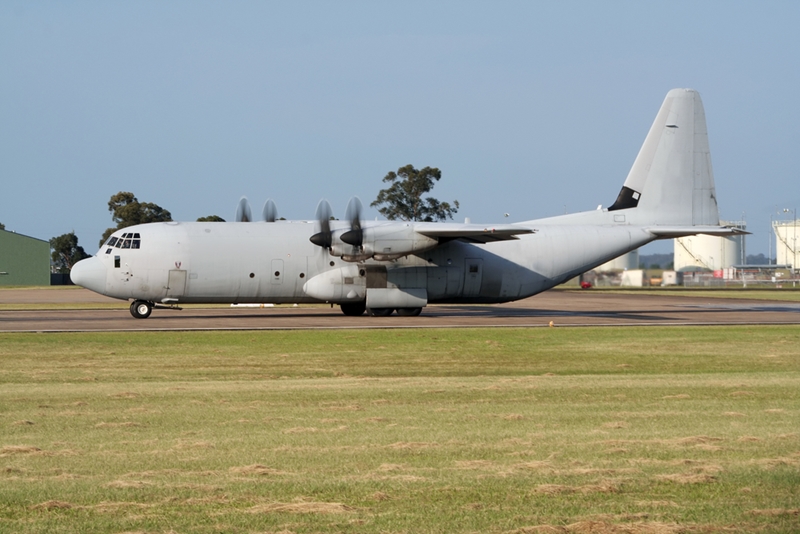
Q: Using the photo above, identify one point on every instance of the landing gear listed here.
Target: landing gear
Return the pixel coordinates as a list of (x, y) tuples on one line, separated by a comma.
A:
[(354, 309), (380, 312), (409, 312), (141, 309)]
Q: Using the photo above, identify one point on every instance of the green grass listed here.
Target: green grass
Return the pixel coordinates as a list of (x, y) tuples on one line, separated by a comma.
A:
[(785, 294), (481, 430)]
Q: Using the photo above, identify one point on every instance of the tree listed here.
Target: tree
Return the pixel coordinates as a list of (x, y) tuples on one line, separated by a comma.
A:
[(211, 218), (66, 252), (2, 226), (403, 199), (126, 210)]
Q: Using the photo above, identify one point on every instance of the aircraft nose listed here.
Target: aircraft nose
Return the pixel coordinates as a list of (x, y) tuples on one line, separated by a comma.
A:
[(89, 273)]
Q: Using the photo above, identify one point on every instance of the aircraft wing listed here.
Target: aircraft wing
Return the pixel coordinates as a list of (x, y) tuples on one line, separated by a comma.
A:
[(473, 233)]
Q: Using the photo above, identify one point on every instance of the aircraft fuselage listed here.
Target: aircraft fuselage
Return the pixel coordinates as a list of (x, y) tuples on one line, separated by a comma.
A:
[(276, 263)]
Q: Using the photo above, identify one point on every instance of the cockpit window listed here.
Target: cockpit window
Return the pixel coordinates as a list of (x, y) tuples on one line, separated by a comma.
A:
[(127, 240)]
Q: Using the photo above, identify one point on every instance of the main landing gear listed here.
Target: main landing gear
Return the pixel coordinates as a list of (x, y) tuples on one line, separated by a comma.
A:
[(354, 309), (141, 309)]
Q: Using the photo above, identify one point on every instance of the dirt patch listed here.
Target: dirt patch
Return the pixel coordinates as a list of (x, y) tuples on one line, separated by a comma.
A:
[(302, 508), (560, 489)]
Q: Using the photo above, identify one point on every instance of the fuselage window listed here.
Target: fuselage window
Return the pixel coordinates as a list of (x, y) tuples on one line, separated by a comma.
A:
[(108, 251), (116, 262)]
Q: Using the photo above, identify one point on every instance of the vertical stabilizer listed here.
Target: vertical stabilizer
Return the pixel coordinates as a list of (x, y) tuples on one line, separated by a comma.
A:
[(671, 181)]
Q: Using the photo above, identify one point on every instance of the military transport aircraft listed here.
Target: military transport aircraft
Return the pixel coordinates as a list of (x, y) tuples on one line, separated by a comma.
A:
[(385, 266)]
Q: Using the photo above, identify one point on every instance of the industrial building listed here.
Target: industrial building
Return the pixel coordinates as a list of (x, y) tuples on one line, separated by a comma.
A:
[(24, 261), (708, 252), (786, 242), (625, 262)]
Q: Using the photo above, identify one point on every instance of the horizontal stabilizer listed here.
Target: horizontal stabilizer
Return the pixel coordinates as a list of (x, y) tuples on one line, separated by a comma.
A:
[(473, 233), (668, 232)]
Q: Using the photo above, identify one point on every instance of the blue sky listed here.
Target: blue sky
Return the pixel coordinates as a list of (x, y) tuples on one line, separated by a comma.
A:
[(528, 108)]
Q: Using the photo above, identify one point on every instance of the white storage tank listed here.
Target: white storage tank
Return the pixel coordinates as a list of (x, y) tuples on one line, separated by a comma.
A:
[(710, 252), (625, 262), (786, 236)]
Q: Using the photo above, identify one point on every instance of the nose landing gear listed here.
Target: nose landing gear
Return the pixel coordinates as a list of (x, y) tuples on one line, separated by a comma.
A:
[(141, 309)]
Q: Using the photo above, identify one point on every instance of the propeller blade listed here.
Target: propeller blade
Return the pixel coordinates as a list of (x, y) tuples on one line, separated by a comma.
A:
[(270, 212), (243, 212), (323, 238), (354, 236)]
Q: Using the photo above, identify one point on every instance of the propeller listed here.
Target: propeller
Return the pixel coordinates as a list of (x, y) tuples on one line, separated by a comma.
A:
[(243, 212), (323, 238), (354, 236), (270, 212)]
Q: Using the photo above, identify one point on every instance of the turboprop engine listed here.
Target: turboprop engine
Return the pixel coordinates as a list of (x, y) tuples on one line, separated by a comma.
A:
[(387, 242), (383, 242)]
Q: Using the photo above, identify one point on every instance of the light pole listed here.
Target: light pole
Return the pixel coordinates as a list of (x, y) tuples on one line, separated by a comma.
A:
[(794, 240)]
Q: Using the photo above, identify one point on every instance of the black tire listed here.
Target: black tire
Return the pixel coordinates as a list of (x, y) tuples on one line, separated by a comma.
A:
[(141, 309), (409, 312), (353, 309), (380, 312)]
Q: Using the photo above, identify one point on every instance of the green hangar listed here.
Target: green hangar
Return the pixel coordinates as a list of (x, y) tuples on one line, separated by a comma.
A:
[(24, 261)]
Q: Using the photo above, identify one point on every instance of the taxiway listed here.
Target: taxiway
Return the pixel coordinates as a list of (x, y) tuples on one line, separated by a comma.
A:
[(562, 308)]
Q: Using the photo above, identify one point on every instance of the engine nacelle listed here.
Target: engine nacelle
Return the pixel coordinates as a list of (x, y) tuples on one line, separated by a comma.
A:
[(383, 242)]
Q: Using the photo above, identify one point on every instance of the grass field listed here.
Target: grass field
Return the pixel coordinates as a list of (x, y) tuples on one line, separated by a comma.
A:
[(601, 430)]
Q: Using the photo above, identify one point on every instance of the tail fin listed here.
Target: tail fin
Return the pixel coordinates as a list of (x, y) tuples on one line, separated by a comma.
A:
[(671, 181)]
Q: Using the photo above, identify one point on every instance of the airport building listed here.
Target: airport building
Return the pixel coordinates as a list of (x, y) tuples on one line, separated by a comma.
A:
[(24, 261)]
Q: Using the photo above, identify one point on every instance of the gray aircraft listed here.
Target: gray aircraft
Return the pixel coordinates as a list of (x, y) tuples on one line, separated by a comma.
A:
[(385, 266)]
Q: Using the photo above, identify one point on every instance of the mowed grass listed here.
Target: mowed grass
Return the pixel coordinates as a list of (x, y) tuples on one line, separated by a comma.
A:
[(635, 430), (785, 294)]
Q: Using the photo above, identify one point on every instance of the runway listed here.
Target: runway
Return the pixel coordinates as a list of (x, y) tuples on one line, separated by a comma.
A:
[(564, 308)]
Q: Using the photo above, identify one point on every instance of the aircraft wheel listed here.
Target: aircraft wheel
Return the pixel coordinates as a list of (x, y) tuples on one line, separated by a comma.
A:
[(353, 309), (141, 309), (409, 312), (380, 312)]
